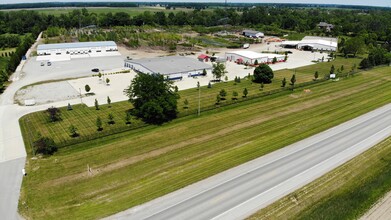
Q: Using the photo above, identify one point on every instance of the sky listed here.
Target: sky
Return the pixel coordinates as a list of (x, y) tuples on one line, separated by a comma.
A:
[(386, 3)]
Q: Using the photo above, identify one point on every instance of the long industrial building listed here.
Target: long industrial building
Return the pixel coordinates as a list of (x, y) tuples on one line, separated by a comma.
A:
[(174, 67), (313, 43), (66, 51), (246, 56)]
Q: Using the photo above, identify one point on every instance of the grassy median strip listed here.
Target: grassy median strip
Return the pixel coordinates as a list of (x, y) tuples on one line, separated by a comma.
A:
[(347, 192), (130, 168)]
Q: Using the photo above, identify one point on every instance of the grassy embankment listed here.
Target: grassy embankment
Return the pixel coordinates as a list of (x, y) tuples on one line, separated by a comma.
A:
[(84, 118), (130, 168), (347, 192)]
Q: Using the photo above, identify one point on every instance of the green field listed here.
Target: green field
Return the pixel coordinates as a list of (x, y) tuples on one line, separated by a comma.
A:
[(130, 168), (332, 197), (84, 118), (132, 11)]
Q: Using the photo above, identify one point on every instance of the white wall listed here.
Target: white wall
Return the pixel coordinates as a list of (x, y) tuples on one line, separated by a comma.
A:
[(319, 47), (233, 57)]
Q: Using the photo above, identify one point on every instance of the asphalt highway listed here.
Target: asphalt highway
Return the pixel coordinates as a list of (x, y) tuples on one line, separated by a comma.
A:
[(241, 191)]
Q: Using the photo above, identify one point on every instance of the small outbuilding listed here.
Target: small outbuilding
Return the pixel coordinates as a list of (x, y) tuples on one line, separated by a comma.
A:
[(203, 58), (252, 34), (174, 67)]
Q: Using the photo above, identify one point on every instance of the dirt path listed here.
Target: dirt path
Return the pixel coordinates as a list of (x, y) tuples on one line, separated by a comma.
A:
[(229, 129)]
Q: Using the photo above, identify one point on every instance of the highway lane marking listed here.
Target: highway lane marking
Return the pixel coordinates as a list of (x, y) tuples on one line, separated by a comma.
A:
[(305, 171)]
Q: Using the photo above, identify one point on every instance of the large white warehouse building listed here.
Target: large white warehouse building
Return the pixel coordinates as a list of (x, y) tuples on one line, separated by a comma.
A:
[(246, 56), (66, 51), (313, 43), (174, 67)]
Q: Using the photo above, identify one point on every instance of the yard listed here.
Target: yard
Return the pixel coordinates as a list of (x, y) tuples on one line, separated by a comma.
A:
[(129, 168)]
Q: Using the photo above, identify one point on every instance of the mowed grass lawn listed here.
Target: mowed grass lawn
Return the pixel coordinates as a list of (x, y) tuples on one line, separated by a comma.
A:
[(84, 118), (134, 167)]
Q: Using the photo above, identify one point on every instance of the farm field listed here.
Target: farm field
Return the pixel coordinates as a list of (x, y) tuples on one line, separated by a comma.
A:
[(129, 168), (331, 196), (84, 118), (132, 11)]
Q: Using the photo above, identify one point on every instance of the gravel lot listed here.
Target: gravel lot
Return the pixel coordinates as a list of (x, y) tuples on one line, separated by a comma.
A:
[(47, 93)]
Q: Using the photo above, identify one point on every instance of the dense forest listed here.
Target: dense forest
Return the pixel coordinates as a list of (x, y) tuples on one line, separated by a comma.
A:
[(368, 28)]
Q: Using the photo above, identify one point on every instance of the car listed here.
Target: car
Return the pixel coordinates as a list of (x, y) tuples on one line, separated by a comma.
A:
[(49, 63), (95, 70), (288, 51), (42, 64)]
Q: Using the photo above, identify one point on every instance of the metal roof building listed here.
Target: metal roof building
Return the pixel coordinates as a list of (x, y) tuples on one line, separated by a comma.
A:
[(66, 51), (313, 43), (250, 56), (76, 45), (172, 66)]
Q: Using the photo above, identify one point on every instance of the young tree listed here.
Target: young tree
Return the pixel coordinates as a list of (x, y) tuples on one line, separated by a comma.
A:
[(44, 145), (209, 85), (109, 101), (218, 70), (256, 62), (100, 75), (245, 92), (283, 82), (218, 99), (238, 80), (186, 104), (316, 75), (204, 73), (235, 95), (223, 94), (226, 78), (293, 81), (87, 88), (274, 60), (176, 89), (107, 81), (99, 124), (73, 131), (262, 86), (153, 98), (54, 114), (96, 104), (285, 58), (111, 119), (198, 85), (128, 118), (69, 107), (263, 73), (332, 69)]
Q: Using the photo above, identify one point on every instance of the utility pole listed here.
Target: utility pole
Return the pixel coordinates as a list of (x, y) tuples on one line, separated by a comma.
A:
[(199, 97)]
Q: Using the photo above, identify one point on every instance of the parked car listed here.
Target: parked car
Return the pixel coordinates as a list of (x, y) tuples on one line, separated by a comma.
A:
[(49, 63), (95, 70), (288, 51), (42, 64)]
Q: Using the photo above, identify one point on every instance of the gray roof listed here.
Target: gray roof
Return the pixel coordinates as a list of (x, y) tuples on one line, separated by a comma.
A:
[(251, 31), (171, 64), (76, 45)]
